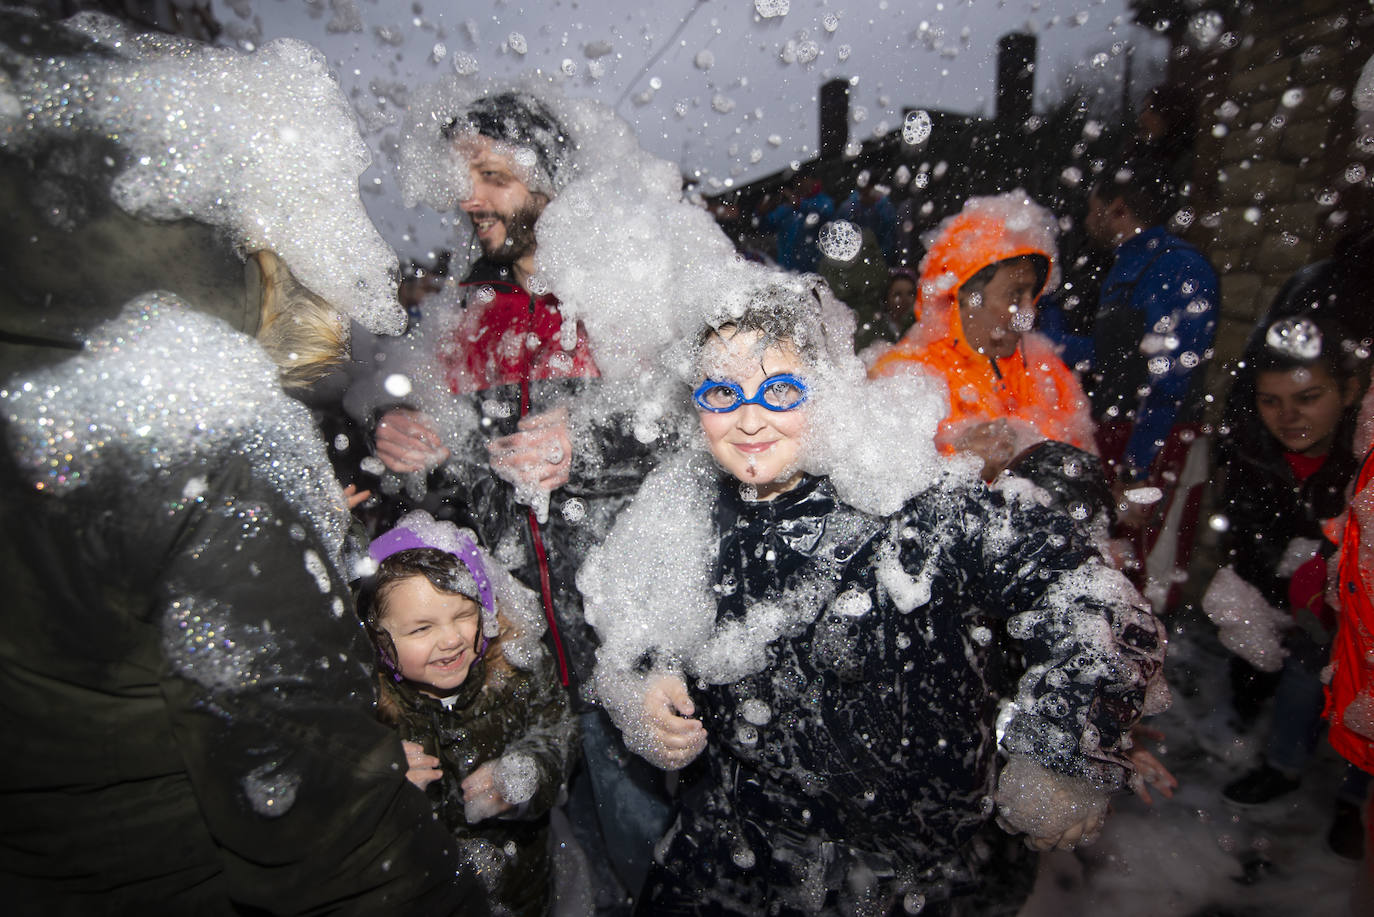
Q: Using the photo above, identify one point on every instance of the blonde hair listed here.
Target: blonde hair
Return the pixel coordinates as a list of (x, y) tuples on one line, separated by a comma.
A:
[(302, 333)]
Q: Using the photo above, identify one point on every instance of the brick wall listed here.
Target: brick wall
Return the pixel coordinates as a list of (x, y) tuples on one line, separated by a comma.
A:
[(1276, 151)]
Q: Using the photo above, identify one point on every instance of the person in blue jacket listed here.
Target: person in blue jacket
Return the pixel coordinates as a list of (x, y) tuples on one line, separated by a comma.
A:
[(871, 207), (797, 218), (1152, 336), (1156, 316)]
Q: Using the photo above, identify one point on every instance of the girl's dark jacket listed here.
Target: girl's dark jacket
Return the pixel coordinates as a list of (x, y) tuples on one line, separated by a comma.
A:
[(1266, 507), (499, 712), (862, 755)]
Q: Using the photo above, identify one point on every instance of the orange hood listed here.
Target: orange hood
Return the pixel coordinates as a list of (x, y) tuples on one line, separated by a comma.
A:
[(987, 230)]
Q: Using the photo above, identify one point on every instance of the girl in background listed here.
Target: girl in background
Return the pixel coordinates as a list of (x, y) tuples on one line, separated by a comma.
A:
[(1288, 471)]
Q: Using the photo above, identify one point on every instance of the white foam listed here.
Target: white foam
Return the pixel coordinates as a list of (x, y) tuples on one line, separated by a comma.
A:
[(1248, 625), (158, 387), (263, 145)]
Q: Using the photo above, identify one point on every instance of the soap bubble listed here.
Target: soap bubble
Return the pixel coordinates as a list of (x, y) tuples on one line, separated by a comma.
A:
[(840, 240)]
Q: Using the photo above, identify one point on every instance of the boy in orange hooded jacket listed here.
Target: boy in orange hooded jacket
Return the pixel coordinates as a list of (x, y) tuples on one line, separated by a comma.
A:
[(984, 269)]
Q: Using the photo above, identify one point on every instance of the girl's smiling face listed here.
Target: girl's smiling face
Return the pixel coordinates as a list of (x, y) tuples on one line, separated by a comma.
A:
[(1302, 407), (435, 634), (759, 447)]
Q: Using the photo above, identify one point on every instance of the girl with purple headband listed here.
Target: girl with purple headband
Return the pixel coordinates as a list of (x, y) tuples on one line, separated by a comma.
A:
[(485, 724)]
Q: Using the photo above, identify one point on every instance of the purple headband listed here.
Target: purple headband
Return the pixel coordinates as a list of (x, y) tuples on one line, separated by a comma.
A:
[(404, 539)]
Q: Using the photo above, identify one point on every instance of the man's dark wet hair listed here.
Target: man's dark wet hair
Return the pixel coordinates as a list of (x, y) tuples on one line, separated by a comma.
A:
[(521, 120), (1143, 185)]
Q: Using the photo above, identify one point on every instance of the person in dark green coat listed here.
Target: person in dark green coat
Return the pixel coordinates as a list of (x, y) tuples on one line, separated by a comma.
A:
[(188, 701), (487, 727)]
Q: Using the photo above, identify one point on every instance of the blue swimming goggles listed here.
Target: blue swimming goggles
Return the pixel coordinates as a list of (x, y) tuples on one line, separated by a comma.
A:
[(782, 392)]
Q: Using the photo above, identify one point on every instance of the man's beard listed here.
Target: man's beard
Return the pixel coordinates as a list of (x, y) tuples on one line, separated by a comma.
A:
[(519, 236)]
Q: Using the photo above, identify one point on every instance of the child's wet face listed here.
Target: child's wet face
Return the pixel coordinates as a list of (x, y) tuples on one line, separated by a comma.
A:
[(901, 298), (757, 446), (435, 634), (995, 317), (1302, 407)]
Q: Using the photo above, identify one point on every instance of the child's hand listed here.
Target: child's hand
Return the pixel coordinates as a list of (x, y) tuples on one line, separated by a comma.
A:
[(1150, 771), (677, 738), (356, 497), (423, 769), (1054, 810), (481, 798), (994, 442)]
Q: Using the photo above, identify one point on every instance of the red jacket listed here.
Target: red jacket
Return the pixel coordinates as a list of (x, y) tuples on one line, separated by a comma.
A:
[(507, 337), (1352, 655)]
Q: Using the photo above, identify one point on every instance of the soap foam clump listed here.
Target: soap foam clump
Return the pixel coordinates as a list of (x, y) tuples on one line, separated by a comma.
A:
[(261, 145)]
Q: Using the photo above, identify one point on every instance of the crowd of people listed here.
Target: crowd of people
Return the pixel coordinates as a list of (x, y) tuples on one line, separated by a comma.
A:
[(579, 663)]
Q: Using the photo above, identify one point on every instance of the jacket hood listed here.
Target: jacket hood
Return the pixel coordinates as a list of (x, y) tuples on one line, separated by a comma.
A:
[(986, 231)]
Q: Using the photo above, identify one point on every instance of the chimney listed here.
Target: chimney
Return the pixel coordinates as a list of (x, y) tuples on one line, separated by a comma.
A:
[(834, 118), (1015, 77)]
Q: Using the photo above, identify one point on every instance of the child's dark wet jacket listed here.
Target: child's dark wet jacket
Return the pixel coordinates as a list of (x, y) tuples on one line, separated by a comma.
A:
[(1266, 507), (498, 711), (865, 747)]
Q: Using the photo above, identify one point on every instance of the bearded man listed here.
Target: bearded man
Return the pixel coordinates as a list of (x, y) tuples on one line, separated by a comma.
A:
[(508, 352)]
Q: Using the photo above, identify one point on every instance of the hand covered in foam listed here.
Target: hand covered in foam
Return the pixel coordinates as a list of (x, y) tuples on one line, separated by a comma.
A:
[(994, 442), (1247, 625), (482, 797), (675, 738), (407, 441), (539, 456), (1359, 716), (1053, 810)]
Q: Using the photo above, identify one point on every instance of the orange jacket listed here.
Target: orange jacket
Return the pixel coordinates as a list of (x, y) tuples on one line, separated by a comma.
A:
[(1032, 388)]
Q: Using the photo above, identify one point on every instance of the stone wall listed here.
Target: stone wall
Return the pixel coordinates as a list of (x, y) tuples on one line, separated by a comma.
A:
[(1279, 172)]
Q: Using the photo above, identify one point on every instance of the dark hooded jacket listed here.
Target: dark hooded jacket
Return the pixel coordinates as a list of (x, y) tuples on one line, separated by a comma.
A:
[(859, 763), (188, 700), (1266, 507), (499, 712)]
